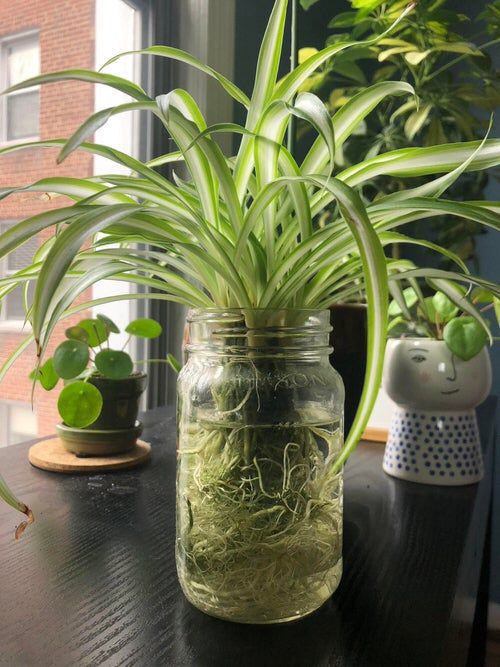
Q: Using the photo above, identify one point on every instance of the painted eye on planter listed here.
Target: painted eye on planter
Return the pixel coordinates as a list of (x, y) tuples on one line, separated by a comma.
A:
[(418, 358)]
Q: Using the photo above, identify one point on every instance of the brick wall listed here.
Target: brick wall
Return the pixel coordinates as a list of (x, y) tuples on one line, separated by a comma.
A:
[(66, 33)]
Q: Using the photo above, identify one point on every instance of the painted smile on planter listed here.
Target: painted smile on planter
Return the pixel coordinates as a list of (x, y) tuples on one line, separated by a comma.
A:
[(452, 391)]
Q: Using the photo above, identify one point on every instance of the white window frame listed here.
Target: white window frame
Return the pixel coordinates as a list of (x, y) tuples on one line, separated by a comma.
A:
[(5, 417), (5, 323), (5, 42), (139, 136)]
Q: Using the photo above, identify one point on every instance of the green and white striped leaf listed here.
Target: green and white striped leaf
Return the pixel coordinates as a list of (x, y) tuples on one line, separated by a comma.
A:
[(117, 82), (184, 57), (97, 120), (62, 254)]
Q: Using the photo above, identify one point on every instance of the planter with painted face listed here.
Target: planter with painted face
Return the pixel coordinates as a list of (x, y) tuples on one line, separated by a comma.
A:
[(433, 436)]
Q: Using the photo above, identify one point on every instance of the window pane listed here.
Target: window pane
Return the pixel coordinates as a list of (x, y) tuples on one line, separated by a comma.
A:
[(22, 115), (21, 256), (14, 304), (23, 60), (23, 423)]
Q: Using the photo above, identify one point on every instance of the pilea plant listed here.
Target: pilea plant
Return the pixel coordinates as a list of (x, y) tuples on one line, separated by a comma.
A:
[(86, 352), (440, 318)]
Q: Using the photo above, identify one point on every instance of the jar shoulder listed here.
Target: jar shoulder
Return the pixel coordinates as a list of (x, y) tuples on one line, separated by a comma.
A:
[(269, 384)]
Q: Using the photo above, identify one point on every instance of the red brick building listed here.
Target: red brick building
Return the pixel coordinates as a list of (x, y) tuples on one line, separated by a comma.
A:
[(38, 36)]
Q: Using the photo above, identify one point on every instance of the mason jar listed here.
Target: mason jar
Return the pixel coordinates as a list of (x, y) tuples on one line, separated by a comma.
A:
[(259, 494)]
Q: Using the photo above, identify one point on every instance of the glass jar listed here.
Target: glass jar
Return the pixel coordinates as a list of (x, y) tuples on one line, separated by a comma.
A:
[(259, 498)]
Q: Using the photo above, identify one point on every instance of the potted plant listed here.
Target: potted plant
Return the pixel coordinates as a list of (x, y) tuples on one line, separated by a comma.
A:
[(437, 370), (100, 401), (259, 511)]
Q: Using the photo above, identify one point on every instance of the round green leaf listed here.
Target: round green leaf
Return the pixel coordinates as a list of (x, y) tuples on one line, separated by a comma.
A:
[(410, 298), (465, 337), (77, 333), (71, 358), (108, 323), (445, 308), (97, 331), (114, 364), (79, 404), (46, 375), (145, 328)]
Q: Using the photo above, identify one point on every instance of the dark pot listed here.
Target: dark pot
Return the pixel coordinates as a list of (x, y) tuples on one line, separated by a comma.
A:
[(348, 340), (98, 442), (120, 401)]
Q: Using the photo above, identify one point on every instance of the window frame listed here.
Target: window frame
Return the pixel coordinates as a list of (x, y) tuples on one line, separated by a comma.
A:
[(210, 38), (24, 36)]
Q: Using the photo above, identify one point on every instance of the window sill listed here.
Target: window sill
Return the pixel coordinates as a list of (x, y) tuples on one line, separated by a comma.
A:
[(15, 326)]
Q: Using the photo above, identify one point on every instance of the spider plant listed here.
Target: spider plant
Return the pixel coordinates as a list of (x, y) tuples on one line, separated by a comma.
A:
[(243, 230)]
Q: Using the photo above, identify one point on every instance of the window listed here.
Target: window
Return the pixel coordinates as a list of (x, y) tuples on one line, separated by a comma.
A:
[(18, 423), (20, 111), (13, 305)]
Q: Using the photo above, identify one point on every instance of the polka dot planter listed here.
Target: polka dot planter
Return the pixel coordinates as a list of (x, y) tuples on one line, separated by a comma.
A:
[(433, 447), (433, 435)]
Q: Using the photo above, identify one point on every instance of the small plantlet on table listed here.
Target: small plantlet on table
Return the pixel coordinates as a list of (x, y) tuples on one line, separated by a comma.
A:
[(86, 353)]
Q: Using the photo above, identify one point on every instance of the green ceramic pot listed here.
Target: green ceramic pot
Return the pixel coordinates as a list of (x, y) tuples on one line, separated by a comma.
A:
[(98, 442), (120, 401)]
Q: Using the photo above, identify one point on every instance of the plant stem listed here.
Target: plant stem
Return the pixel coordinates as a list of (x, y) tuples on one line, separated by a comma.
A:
[(488, 307), (453, 62)]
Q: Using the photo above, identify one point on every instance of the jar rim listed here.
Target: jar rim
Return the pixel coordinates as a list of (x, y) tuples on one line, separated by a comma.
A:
[(264, 331), (195, 314)]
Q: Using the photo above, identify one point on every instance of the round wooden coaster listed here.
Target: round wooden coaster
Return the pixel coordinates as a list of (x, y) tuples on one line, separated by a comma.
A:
[(51, 455)]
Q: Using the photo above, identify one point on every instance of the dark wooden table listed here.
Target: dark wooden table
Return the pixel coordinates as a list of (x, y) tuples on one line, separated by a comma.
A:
[(93, 580)]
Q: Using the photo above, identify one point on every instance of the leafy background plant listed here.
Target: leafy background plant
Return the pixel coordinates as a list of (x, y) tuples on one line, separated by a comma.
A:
[(445, 55)]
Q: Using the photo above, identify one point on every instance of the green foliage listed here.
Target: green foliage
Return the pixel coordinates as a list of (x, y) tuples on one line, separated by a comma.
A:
[(108, 323), (308, 3), (444, 307), (77, 333), (96, 330), (144, 328), (455, 81), (114, 364), (71, 358), (46, 375), (443, 317), (79, 404), (174, 363), (71, 362), (410, 299), (465, 337)]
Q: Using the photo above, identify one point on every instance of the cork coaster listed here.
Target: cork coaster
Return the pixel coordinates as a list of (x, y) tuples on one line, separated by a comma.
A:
[(51, 455)]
